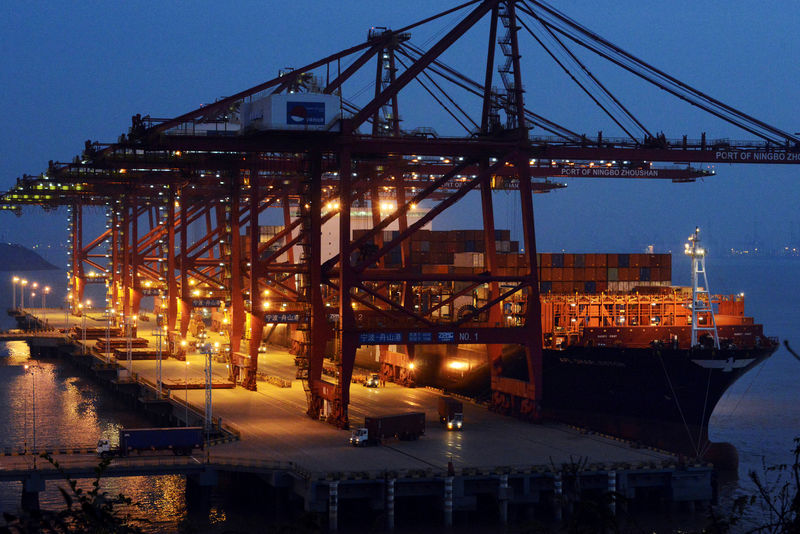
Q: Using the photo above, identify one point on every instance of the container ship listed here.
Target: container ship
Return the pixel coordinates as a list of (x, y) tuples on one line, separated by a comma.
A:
[(626, 353)]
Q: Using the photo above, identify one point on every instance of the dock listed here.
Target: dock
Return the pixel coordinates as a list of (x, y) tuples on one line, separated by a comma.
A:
[(517, 465)]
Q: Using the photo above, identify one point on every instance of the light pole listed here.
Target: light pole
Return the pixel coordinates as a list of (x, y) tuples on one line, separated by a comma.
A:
[(28, 317), (209, 350), (22, 283), (130, 322), (108, 315), (159, 332), (45, 291), (186, 398), (34, 287), (14, 281), (67, 305)]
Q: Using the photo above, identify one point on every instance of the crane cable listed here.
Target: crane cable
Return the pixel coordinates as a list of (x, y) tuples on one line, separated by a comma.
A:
[(677, 402), (587, 73)]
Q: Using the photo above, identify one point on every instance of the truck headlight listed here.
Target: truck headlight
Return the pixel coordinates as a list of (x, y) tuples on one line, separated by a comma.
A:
[(450, 424)]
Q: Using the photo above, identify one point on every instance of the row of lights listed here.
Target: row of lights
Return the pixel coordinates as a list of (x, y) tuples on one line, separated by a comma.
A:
[(16, 280)]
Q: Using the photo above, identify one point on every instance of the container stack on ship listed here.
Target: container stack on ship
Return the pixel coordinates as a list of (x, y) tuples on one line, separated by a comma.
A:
[(619, 356)]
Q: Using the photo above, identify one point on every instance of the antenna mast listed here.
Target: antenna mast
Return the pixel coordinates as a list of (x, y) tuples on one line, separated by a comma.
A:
[(702, 310)]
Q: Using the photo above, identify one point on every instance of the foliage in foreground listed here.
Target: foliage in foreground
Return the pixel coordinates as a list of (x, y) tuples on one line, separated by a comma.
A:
[(92, 511)]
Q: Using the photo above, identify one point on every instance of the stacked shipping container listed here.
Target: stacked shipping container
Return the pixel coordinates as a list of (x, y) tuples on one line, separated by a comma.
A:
[(462, 252)]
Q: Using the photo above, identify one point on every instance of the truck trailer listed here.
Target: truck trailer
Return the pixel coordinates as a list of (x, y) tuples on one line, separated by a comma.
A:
[(405, 426), (451, 412), (180, 440)]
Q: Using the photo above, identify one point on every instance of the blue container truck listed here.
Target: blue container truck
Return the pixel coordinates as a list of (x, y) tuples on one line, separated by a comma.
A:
[(405, 426), (180, 440)]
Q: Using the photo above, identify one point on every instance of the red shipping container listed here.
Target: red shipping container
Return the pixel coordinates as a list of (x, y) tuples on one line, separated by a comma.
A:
[(547, 274), (569, 260), (579, 274), (600, 260), (546, 260), (612, 260)]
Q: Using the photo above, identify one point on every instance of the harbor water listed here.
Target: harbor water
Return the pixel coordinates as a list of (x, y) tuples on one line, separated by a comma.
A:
[(760, 414)]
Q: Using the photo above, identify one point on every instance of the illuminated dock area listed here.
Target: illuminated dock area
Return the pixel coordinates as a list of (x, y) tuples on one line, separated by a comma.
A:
[(517, 462)]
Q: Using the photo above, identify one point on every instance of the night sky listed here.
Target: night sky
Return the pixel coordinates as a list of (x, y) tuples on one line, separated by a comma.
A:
[(74, 71)]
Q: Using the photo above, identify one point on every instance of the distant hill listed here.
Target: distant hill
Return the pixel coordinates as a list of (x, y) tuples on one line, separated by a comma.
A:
[(15, 257)]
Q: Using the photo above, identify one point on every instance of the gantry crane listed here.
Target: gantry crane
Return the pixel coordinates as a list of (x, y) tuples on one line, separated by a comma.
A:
[(217, 170)]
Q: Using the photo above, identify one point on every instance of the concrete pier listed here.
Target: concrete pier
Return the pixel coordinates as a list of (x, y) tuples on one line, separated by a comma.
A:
[(519, 466)]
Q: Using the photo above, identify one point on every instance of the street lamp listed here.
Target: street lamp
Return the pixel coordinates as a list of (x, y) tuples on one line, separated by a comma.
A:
[(22, 283), (28, 317), (209, 351), (45, 291), (34, 287), (129, 322), (186, 398), (84, 309), (159, 332), (14, 281), (108, 316), (67, 306)]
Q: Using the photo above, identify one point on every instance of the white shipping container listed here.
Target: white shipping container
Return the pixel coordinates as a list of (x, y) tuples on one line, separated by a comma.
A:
[(293, 111), (468, 259)]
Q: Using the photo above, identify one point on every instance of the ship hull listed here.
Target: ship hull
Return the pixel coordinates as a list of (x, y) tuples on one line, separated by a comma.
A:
[(654, 396), (658, 397)]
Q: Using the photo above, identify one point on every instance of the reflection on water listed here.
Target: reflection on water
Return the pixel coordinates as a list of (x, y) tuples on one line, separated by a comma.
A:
[(51, 404)]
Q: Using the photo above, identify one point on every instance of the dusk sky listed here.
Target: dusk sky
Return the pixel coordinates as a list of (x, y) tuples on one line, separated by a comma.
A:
[(74, 71)]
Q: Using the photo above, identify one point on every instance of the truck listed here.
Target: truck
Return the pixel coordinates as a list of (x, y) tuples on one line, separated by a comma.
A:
[(451, 412), (180, 440), (372, 381), (404, 426)]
